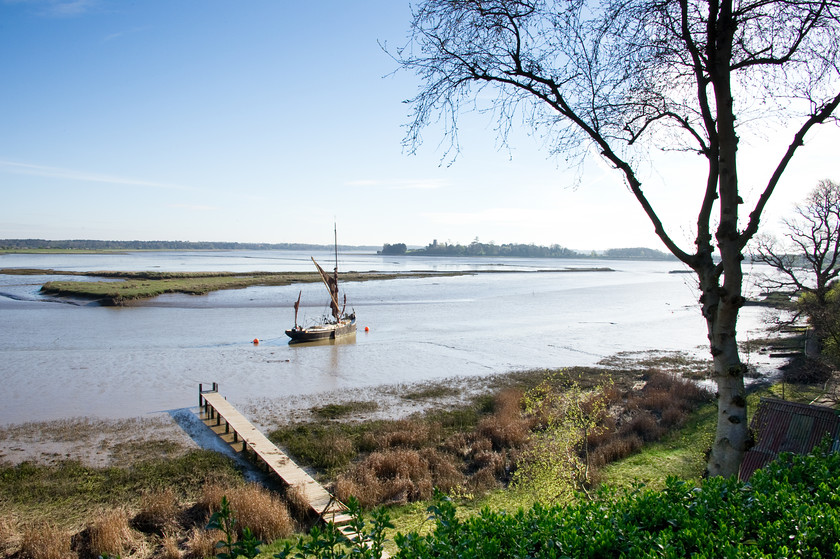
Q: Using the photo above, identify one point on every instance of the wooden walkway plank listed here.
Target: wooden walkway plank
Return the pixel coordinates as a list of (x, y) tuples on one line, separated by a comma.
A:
[(237, 429), (319, 499)]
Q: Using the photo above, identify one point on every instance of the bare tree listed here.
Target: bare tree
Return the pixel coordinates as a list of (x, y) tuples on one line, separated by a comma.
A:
[(623, 78), (807, 260)]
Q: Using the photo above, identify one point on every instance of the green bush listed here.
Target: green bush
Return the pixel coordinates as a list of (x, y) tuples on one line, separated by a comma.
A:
[(790, 509)]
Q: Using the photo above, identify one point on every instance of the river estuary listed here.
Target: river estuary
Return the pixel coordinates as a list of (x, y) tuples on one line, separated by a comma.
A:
[(62, 359)]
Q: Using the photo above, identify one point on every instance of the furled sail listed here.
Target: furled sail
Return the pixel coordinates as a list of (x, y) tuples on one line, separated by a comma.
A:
[(332, 286)]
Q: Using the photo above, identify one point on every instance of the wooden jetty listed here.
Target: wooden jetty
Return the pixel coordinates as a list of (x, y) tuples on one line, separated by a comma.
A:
[(235, 429)]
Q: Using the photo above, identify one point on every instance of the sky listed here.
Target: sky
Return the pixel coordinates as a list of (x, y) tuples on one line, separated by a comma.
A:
[(269, 120)]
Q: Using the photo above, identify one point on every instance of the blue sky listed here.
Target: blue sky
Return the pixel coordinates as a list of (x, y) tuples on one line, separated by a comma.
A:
[(265, 121)]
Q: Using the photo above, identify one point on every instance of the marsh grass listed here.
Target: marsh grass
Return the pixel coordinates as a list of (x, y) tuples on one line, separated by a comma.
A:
[(9, 535), (262, 511), (170, 548), (688, 367), (158, 510), (74, 492), (134, 286), (254, 506), (431, 392), (201, 543), (45, 540), (476, 448), (76, 429), (336, 411), (297, 502), (111, 534)]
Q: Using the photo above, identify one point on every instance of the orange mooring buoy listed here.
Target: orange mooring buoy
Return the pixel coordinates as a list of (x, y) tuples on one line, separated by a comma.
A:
[(367, 329), (256, 341)]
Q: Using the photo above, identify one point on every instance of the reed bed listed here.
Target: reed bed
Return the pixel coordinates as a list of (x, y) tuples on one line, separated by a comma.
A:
[(402, 461)]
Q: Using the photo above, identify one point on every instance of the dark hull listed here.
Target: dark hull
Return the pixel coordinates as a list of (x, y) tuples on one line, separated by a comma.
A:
[(322, 332)]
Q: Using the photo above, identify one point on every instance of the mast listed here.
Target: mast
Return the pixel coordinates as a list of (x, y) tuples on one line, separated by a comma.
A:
[(332, 288)]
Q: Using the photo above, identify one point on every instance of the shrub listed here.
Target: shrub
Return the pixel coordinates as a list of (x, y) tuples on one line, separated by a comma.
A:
[(790, 509)]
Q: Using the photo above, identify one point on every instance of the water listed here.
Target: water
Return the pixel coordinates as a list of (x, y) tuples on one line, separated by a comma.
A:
[(63, 360)]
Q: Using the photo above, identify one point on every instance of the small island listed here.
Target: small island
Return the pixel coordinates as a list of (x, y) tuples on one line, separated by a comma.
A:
[(520, 250)]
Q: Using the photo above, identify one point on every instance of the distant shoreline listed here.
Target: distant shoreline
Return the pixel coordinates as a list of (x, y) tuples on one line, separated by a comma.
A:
[(473, 250)]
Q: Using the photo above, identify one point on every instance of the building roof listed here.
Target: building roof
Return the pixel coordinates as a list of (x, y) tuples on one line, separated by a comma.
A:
[(781, 426)]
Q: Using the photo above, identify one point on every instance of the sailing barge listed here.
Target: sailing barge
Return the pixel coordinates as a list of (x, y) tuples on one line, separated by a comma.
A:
[(339, 324)]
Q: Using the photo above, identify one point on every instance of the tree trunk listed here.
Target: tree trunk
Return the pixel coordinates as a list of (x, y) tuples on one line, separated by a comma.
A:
[(721, 313), (722, 300)]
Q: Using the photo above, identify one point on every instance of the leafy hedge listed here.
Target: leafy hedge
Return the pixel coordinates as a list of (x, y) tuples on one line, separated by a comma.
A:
[(790, 509)]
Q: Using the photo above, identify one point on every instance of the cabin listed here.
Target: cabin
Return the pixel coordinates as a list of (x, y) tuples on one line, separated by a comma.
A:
[(779, 426)]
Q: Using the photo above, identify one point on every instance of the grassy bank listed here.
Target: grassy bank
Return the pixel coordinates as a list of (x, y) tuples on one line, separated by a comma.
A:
[(127, 287), (471, 450)]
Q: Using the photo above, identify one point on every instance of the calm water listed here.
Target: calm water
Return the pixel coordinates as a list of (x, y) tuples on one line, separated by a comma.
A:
[(62, 360)]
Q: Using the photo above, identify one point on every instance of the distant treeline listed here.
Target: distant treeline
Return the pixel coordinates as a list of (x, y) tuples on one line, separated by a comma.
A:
[(433, 249), (84, 244), (520, 250)]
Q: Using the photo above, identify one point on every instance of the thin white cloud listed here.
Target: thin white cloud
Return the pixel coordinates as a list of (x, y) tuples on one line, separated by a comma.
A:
[(73, 175), (403, 184), (58, 8)]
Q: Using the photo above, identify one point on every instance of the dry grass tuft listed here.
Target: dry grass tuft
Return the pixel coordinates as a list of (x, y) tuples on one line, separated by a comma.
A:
[(262, 511), (504, 433), (202, 543), (158, 510), (407, 433), (211, 495), (615, 449), (507, 405), (110, 534), (9, 536), (445, 473), (45, 541), (393, 476), (297, 502), (169, 547)]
